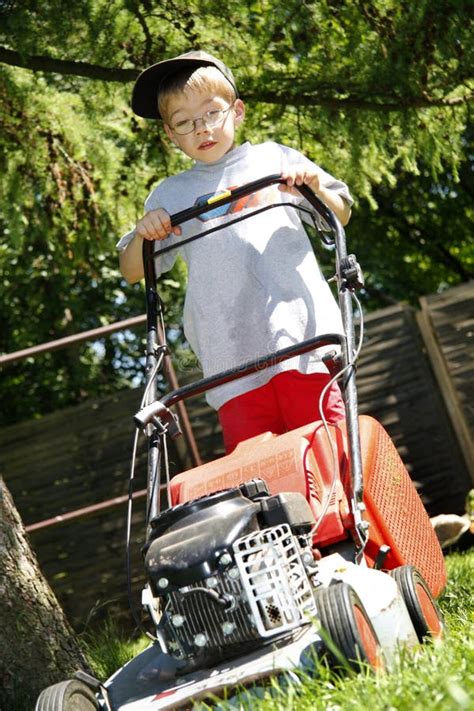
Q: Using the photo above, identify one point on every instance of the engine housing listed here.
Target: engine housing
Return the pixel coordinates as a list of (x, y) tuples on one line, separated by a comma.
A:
[(230, 570)]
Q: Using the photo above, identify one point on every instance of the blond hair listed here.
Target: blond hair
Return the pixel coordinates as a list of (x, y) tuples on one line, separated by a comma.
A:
[(203, 79)]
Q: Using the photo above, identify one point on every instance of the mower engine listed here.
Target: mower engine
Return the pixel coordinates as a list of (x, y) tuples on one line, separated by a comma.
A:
[(231, 570)]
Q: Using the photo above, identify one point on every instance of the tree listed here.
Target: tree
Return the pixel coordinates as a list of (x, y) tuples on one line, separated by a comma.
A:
[(376, 91), (38, 646), (419, 235)]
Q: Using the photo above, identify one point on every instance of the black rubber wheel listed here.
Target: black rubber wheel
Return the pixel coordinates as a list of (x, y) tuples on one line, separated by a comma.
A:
[(347, 631), (71, 695), (422, 608)]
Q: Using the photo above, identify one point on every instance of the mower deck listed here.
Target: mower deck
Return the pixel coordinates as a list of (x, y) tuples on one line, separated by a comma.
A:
[(151, 681), (148, 682)]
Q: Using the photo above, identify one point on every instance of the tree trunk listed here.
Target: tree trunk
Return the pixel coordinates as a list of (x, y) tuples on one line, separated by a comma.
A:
[(37, 645)]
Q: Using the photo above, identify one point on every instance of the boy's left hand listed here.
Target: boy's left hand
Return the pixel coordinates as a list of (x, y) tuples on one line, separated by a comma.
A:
[(299, 175)]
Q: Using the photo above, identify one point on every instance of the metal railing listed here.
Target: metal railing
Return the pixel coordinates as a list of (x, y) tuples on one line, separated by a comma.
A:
[(83, 337)]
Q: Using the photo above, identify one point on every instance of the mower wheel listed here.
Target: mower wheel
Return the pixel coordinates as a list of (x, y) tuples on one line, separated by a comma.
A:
[(71, 695), (347, 631), (422, 608)]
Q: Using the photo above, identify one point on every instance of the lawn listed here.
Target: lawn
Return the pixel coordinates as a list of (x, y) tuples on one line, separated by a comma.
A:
[(436, 677)]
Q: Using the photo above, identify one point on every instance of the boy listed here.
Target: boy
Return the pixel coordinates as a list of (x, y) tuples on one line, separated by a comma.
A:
[(253, 287)]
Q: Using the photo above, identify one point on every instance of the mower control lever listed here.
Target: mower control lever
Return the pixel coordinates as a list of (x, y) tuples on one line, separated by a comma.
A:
[(351, 273), (155, 410)]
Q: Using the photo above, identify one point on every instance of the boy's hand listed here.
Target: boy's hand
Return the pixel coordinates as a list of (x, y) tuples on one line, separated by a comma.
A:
[(302, 175), (299, 175), (156, 224)]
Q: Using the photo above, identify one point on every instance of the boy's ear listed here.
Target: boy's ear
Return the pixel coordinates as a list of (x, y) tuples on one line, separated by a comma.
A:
[(170, 134), (239, 109)]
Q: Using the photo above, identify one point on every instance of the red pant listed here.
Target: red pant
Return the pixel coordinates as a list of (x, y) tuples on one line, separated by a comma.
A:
[(289, 400)]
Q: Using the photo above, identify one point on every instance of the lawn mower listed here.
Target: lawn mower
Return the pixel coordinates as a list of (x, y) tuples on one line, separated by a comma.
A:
[(309, 544)]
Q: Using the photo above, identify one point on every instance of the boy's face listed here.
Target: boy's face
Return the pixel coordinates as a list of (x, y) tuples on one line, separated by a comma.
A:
[(204, 143)]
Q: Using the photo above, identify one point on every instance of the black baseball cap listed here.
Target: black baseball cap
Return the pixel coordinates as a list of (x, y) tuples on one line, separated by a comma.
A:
[(147, 86)]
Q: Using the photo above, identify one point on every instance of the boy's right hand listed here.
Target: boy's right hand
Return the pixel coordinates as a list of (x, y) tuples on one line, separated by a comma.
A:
[(156, 224)]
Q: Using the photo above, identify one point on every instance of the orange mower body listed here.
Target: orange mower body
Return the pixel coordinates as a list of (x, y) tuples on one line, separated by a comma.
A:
[(302, 461)]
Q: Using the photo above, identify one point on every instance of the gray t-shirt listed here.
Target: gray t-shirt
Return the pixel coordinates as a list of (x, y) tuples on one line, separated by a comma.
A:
[(254, 287)]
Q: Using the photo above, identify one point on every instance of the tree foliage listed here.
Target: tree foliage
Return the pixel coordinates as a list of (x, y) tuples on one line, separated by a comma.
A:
[(376, 91)]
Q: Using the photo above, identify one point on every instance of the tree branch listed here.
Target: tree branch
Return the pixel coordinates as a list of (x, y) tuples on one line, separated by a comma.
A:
[(146, 31), (116, 74), (413, 102), (425, 243), (63, 66)]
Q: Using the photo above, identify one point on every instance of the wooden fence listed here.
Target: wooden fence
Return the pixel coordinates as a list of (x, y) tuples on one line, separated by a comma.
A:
[(414, 375)]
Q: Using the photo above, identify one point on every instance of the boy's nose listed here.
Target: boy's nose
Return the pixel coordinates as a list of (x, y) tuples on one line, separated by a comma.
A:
[(200, 125)]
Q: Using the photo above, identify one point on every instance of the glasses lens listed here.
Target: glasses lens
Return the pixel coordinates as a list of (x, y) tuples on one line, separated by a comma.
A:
[(184, 127), (212, 118)]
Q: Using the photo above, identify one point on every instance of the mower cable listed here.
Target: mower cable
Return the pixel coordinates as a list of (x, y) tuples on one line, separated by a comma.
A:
[(135, 616), (153, 373), (151, 378), (299, 208), (166, 467), (335, 467), (162, 349), (362, 538), (223, 600), (163, 438)]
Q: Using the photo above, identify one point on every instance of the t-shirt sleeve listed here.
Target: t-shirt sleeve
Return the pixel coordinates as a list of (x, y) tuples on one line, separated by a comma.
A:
[(291, 158), (124, 240), (162, 263)]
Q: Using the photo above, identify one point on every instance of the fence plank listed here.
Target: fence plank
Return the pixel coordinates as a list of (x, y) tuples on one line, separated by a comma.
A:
[(447, 325), (397, 386)]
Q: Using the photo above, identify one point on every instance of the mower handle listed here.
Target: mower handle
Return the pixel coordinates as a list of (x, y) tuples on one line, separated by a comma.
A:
[(350, 393), (158, 407), (235, 193)]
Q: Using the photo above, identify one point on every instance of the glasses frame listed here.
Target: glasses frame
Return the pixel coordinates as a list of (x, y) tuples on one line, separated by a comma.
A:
[(222, 118)]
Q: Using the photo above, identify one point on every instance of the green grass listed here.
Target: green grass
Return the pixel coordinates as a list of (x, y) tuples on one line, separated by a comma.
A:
[(436, 677), (108, 649)]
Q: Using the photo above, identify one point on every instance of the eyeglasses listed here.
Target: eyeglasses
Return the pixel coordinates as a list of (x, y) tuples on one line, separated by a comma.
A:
[(209, 119)]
